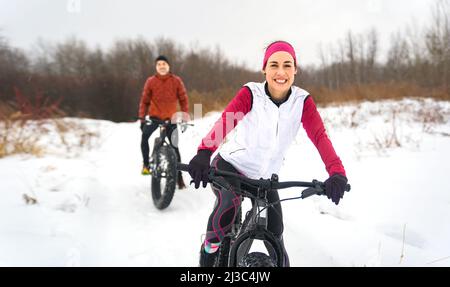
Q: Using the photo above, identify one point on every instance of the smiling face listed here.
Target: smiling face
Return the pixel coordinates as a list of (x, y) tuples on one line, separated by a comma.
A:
[(162, 68), (280, 73)]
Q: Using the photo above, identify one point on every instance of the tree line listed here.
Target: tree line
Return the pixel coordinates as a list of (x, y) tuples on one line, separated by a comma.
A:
[(107, 84)]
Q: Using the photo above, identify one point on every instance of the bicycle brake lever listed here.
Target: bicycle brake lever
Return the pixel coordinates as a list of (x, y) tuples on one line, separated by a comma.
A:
[(308, 192), (316, 190)]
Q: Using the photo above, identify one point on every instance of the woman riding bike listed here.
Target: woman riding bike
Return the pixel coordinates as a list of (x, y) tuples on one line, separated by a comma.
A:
[(265, 118)]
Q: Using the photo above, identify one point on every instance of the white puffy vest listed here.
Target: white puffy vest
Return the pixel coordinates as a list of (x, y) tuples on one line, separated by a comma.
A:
[(256, 147)]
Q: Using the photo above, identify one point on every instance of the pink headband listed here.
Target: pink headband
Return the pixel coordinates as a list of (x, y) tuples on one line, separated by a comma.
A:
[(277, 47)]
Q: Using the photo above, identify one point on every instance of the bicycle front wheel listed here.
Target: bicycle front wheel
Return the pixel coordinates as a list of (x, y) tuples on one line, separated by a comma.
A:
[(164, 175), (257, 259)]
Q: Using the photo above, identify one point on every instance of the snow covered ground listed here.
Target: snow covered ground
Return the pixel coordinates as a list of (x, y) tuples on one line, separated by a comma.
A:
[(95, 209)]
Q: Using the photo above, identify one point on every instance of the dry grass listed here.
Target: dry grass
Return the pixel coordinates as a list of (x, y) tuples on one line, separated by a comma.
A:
[(217, 100), (376, 92), (430, 115), (13, 138), (21, 135), (211, 101), (81, 136)]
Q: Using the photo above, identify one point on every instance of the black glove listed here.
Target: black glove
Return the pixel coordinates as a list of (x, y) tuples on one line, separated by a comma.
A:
[(335, 187), (199, 167)]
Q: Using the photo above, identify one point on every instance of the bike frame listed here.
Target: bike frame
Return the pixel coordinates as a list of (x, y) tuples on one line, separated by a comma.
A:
[(254, 227), (161, 140)]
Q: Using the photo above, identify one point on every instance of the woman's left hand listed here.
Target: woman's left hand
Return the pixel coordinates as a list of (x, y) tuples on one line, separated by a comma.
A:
[(335, 187)]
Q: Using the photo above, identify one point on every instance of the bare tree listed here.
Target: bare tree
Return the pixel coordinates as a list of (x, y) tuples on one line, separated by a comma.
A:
[(398, 59), (438, 42)]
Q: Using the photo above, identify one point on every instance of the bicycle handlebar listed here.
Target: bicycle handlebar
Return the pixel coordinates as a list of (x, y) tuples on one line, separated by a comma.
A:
[(313, 188), (164, 122)]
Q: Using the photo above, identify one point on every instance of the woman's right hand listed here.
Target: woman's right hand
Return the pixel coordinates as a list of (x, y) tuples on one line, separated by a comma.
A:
[(199, 167)]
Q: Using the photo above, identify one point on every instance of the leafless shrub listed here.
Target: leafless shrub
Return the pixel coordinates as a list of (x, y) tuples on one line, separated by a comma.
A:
[(430, 115), (390, 138)]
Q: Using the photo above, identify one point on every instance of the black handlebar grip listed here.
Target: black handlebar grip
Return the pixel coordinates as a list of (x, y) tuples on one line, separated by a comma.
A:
[(182, 167), (348, 187)]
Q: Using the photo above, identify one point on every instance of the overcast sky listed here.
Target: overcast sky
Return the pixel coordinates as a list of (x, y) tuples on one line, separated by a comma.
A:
[(242, 28)]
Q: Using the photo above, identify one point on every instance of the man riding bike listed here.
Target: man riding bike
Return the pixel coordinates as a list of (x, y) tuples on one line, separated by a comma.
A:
[(159, 100)]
